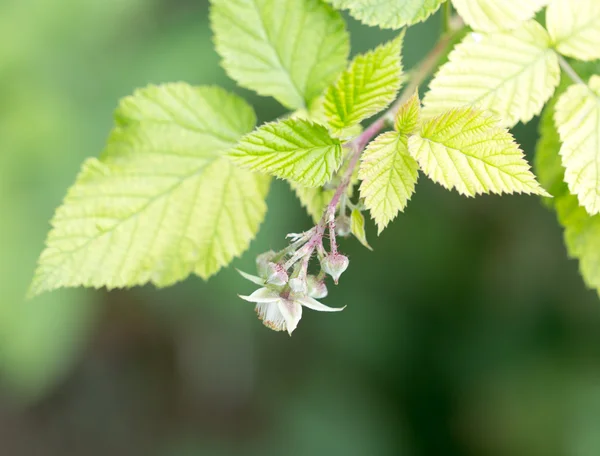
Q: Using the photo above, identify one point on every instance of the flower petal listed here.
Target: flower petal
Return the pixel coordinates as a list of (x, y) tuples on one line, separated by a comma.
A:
[(271, 315), (252, 278), (316, 305), (262, 295), (292, 312)]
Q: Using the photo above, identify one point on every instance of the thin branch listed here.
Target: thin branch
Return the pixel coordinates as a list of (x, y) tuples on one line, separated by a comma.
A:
[(570, 71), (417, 77), (447, 17)]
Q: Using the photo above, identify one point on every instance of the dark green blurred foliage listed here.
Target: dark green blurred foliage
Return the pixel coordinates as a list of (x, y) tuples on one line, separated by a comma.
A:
[(467, 331)]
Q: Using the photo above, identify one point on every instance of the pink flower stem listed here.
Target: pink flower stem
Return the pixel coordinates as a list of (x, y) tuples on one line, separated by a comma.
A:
[(332, 240)]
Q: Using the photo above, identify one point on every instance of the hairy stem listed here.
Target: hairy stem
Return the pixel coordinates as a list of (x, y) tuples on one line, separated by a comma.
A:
[(332, 239), (417, 77), (421, 72)]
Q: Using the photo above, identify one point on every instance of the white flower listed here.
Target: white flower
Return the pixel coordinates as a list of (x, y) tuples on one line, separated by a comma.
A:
[(279, 313)]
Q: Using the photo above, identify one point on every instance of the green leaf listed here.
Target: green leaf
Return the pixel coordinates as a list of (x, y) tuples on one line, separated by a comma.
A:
[(317, 114), (495, 15), (388, 175), (368, 86), (389, 14), (408, 116), (465, 149), (357, 227), (293, 149), (511, 74), (582, 237), (547, 165), (288, 49), (574, 26), (582, 231), (314, 199), (578, 122), (162, 201)]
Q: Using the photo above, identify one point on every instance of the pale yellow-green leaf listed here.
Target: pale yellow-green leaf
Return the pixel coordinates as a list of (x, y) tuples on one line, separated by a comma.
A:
[(574, 26), (317, 114), (582, 231), (388, 174), (389, 14), (467, 150), (582, 237), (511, 74), (294, 149), (408, 116), (546, 163), (369, 85), (578, 122), (357, 227), (162, 201), (315, 199), (495, 15), (288, 49)]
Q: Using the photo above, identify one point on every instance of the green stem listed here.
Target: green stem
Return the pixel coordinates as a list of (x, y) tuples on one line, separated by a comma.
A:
[(447, 17), (568, 69)]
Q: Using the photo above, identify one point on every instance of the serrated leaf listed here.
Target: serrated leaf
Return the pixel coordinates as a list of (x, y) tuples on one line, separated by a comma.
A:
[(293, 149), (369, 85), (317, 114), (465, 149), (357, 227), (495, 15), (582, 238), (511, 74), (574, 26), (388, 175), (389, 14), (408, 116), (314, 200), (582, 231), (288, 49), (162, 201), (578, 122), (547, 161)]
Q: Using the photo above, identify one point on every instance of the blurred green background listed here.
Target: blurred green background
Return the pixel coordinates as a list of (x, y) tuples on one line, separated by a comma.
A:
[(467, 331)]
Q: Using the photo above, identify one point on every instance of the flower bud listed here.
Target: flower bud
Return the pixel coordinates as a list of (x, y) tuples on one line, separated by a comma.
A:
[(276, 275), (262, 263), (342, 225), (316, 288), (298, 285), (335, 264)]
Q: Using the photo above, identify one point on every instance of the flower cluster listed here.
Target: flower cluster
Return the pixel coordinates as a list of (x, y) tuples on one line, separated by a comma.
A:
[(285, 284)]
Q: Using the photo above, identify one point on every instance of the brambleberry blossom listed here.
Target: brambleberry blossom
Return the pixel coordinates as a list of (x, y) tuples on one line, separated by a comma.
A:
[(286, 286)]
